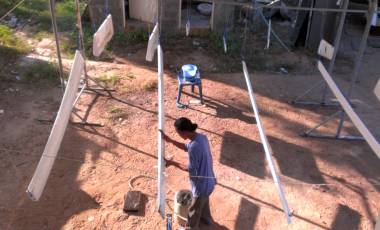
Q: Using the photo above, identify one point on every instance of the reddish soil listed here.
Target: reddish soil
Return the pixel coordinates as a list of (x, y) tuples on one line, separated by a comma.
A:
[(329, 184)]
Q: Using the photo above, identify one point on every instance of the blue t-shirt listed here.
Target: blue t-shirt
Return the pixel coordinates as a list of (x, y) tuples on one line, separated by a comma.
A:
[(200, 165)]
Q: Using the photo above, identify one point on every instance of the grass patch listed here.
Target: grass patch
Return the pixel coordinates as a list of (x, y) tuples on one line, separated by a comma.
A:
[(234, 44), (131, 75), (10, 45), (116, 113), (41, 73), (70, 43), (41, 35), (110, 80), (38, 11), (150, 86), (132, 37), (115, 110)]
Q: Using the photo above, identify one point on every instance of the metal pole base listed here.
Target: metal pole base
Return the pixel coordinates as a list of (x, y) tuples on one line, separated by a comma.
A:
[(100, 89), (331, 103), (334, 137), (337, 136), (323, 104), (85, 123)]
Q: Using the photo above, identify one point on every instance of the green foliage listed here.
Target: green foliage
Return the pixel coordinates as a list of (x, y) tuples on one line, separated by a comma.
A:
[(132, 37), (41, 72), (41, 35), (150, 86), (115, 110), (234, 43), (108, 80), (10, 45), (70, 43), (66, 16), (38, 11)]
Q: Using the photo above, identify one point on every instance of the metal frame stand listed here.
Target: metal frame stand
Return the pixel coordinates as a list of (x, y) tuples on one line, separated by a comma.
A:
[(353, 81), (337, 41), (257, 12), (86, 86), (82, 50)]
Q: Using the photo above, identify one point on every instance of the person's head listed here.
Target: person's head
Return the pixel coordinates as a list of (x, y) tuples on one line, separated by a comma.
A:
[(185, 128)]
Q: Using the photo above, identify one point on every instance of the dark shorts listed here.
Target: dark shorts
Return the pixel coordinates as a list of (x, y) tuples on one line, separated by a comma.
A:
[(199, 211)]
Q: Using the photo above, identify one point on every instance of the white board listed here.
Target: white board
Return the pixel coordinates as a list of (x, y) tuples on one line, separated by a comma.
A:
[(152, 43), (103, 36), (377, 90), (326, 49), (350, 111), (40, 177), (267, 147), (161, 126)]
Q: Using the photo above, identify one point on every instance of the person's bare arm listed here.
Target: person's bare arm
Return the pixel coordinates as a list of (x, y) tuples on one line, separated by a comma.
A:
[(176, 164), (173, 142)]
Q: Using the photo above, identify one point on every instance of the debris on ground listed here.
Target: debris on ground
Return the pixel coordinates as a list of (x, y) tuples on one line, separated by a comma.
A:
[(132, 201), (284, 71)]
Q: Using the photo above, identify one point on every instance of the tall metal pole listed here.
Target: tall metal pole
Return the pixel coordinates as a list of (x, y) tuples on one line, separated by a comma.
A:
[(362, 46), (161, 194), (309, 23), (266, 145), (55, 30), (161, 125), (336, 47), (336, 44), (81, 39)]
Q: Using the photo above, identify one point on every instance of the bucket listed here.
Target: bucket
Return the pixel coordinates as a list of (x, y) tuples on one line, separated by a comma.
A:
[(182, 202)]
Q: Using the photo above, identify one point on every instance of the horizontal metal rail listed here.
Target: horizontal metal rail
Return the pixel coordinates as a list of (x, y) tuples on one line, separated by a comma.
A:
[(301, 8)]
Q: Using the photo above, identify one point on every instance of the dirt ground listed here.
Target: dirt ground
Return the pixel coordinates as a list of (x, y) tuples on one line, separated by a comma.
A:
[(329, 184)]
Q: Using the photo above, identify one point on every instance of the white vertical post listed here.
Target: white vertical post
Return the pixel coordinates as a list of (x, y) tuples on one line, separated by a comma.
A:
[(161, 125), (269, 33), (267, 148)]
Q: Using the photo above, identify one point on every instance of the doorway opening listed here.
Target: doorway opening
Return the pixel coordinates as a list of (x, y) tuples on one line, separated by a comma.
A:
[(198, 12)]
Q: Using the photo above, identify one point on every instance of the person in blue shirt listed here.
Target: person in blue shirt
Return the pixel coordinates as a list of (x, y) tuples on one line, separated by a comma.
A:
[(200, 168)]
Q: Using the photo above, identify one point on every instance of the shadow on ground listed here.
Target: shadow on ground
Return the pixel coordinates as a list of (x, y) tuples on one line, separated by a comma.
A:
[(346, 219), (62, 198)]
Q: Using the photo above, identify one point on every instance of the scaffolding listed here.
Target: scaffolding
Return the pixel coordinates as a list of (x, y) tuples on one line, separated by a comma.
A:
[(327, 83)]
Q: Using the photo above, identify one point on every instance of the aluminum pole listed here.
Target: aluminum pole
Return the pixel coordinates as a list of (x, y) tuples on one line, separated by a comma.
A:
[(81, 40), (336, 47), (309, 23), (161, 126), (55, 30), (267, 147)]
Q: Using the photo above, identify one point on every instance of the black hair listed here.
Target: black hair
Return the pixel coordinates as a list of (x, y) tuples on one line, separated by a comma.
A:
[(184, 124)]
